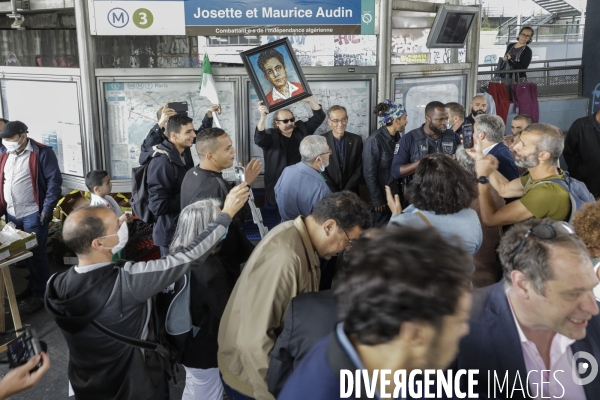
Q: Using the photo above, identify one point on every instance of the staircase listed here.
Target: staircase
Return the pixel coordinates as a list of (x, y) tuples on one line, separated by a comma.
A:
[(558, 7), (509, 30)]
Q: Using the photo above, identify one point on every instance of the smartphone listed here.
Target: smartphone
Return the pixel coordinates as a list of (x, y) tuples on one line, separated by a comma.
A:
[(468, 136), (23, 348), (240, 175), (180, 107)]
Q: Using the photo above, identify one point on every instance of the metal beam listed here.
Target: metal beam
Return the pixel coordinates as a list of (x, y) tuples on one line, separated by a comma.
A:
[(409, 5), (473, 56), (384, 50), (38, 6), (91, 118)]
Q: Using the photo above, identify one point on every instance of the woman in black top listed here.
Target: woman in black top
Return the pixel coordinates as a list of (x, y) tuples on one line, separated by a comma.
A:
[(518, 55)]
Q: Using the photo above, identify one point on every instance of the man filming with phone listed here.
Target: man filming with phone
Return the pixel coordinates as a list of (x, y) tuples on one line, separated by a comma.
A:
[(216, 152), (488, 133), (157, 133)]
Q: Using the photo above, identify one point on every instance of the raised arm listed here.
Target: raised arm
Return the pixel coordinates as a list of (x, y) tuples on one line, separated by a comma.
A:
[(261, 137)]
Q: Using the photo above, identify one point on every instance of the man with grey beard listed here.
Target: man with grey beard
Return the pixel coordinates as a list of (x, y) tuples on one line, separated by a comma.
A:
[(538, 150)]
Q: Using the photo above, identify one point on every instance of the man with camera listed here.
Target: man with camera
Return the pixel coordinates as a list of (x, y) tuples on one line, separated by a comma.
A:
[(157, 133), (98, 296)]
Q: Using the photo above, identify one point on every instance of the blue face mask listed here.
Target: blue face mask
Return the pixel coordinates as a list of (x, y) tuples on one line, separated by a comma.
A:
[(225, 235)]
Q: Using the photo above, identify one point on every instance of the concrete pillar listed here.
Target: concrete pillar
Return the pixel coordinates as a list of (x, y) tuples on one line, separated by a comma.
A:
[(384, 50), (91, 120), (591, 56)]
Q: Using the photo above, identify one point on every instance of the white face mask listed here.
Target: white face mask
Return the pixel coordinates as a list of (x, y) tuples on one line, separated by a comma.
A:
[(123, 234), (12, 146), (322, 165)]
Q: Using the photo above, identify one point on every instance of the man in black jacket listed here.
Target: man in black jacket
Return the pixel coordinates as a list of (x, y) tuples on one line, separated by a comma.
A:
[(165, 175), (216, 152), (119, 298), (281, 143), (345, 164), (582, 147), (157, 133)]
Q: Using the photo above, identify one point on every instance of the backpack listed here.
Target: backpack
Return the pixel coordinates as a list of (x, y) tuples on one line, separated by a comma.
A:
[(139, 188), (578, 192)]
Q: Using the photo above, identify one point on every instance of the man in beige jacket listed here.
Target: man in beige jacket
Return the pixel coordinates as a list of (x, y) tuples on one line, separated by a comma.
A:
[(284, 265)]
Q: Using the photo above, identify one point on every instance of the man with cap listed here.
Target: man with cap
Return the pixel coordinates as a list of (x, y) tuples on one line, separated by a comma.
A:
[(30, 187), (378, 151)]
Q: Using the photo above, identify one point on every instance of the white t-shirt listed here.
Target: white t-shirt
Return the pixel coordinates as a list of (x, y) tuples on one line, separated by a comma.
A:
[(106, 201)]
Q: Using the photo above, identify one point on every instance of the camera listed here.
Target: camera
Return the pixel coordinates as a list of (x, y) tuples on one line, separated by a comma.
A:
[(468, 136), (23, 348)]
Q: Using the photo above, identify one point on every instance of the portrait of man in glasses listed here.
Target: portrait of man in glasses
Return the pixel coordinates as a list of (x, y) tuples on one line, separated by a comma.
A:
[(272, 64)]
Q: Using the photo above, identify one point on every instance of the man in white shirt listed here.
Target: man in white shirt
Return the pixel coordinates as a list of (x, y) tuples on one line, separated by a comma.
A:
[(30, 187), (539, 327)]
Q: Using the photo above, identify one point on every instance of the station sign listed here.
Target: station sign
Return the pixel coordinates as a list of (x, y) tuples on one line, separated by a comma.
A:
[(251, 17)]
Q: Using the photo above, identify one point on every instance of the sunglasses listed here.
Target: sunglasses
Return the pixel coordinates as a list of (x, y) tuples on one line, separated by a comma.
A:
[(285, 121), (544, 232)]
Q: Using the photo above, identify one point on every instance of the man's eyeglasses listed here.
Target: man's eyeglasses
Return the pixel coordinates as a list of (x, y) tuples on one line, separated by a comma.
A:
[(285, 121), (322, 154), (350, 241), (337, 121), (545, 232)]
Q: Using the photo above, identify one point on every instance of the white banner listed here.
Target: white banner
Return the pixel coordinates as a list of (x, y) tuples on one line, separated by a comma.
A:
[(139, 18)]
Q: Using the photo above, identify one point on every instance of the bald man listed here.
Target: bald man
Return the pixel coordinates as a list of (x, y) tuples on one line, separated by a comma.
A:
[(118, 296), (478, 106)]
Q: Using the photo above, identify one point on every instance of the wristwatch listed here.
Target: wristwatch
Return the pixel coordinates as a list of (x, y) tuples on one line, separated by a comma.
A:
[(483, 180)]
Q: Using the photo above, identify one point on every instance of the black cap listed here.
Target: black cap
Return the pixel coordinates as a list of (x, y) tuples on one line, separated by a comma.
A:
[(13, 128)]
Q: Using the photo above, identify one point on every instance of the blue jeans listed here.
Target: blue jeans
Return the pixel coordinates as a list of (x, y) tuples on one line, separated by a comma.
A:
[(233, 394), (39, 269)]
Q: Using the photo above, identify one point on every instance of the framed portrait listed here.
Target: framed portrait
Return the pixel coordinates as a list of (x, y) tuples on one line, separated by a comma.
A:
[(276, 74)]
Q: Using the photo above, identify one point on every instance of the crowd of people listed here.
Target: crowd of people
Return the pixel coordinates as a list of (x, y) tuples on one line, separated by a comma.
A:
[(405, 251)]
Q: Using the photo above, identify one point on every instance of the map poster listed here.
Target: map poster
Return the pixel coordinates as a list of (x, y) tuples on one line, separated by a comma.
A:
[(131, 113)]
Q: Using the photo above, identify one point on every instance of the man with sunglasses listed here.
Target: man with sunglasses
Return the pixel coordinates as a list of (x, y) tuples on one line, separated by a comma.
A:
[(345, 169), (539, 327), (281, 143), (538, 150), (283, 265), (307, 176)]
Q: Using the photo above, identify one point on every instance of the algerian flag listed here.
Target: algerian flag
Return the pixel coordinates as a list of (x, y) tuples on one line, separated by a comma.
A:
[(208, 88)]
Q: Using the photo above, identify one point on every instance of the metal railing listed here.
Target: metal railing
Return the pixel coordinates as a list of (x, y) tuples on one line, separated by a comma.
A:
[(553, 81), (545, 33), (562, 62)]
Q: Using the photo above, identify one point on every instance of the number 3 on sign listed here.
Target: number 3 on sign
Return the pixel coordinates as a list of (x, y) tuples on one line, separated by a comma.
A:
[(143, 18)]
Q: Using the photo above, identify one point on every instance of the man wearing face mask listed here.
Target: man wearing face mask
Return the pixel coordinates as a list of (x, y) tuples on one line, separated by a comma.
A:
[(307, 175), (456, 117), (281, 143), (118, 297), (431, 137), (29, 190)]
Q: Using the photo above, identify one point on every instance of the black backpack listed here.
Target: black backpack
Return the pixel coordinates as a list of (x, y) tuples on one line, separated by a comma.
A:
[(139, 188)]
